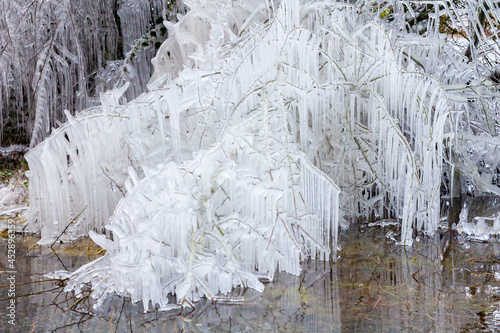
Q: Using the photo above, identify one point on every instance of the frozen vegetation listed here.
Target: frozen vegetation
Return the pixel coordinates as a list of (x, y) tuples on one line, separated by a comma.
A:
[(58, 55), (265, 127)]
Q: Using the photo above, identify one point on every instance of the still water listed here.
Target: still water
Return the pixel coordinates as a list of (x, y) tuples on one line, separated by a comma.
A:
[(441, 284)]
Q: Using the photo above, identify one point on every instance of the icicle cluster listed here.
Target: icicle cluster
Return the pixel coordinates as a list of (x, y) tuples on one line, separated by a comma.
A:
[(54, 56), (236, 201), (457, 43), (79, 174), (223, 171), (224, 219)]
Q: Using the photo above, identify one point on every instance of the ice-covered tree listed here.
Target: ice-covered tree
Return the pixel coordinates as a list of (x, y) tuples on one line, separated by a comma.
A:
[(257, 116)]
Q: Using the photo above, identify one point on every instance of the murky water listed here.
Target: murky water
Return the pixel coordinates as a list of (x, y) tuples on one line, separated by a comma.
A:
[(441, 284)]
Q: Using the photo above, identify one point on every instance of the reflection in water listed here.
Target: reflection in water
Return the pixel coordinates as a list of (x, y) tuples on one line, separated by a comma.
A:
[(441, 284), (435, 286)]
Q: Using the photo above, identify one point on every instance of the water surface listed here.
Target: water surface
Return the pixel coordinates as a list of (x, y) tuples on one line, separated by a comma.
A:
[(441, 284)]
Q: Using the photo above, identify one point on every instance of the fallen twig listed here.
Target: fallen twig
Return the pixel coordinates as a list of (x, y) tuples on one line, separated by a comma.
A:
[(62, 233)]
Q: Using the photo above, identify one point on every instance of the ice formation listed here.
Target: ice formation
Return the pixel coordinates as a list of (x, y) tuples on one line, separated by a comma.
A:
[(227, 168), (57, 55), (248, 200), (481, 227)]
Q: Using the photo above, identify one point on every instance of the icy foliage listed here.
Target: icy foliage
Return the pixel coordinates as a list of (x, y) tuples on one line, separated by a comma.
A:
[(457, 43), (248, 201), (79, 173), (54, 54), (211, 224), (226, 169)]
